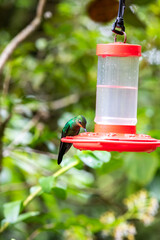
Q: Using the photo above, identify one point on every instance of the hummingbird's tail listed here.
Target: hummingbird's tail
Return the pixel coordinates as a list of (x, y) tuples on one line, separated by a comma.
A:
[(64, 147), (60, 156)]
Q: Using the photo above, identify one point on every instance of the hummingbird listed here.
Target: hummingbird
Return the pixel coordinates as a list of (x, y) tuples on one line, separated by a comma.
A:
[(71, 128)]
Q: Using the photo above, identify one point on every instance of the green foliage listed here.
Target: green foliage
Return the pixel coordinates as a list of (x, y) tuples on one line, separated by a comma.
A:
[(94, 159), (50, 78), (141, 167), (12, 210), (46, 183), (60, 192), (25, 216)]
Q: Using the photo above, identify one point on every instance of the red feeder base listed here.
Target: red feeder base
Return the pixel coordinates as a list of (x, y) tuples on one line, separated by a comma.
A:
[(119, 142)]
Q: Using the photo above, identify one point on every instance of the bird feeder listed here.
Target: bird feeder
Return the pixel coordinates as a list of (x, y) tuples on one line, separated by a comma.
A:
[(116, 99), (116, 103)]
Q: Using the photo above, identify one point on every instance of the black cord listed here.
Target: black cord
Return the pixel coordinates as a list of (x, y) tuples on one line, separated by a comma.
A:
[(119, 23)]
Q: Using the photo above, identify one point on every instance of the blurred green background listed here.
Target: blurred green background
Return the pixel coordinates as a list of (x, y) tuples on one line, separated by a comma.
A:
[(50, 78)]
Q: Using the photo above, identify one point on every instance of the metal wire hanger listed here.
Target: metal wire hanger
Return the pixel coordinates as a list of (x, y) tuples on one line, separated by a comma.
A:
[(119, 23)]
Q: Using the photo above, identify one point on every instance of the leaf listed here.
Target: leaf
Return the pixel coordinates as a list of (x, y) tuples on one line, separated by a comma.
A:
[(111, 166), (60, 192), (103, 155), (12, 210), (141, 167), (47, 183), (94, 159), (27, 215)]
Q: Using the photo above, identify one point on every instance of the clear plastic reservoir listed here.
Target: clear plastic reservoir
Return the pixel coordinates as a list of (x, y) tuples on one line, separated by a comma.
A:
[(117, 89)]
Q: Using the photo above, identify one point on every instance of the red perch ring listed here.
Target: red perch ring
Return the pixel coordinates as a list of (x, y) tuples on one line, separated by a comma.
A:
[(113, 142)]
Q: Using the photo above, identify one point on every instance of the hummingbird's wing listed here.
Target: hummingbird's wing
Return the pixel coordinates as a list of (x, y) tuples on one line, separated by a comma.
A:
[(65, 130)]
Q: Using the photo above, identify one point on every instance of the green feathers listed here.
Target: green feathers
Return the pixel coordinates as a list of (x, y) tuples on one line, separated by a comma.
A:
[(71, 128)]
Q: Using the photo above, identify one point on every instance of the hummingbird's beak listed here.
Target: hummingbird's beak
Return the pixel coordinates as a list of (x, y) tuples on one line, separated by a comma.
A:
[(82, 127)]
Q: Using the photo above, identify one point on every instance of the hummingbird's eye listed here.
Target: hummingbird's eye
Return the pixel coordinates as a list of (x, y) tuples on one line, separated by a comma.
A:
[(79, 121)]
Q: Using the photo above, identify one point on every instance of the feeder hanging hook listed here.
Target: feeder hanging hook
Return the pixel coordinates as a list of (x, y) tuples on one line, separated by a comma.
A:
[(119, 23)]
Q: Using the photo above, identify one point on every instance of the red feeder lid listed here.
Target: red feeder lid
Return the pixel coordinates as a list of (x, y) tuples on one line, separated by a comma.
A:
[(118, 49), (113, 142)]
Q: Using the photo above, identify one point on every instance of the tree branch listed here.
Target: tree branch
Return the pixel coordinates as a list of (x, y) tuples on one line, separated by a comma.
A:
[(31, 150), (11, 187), (64, 102), (55, 175), (7, 52), (39, 189)]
